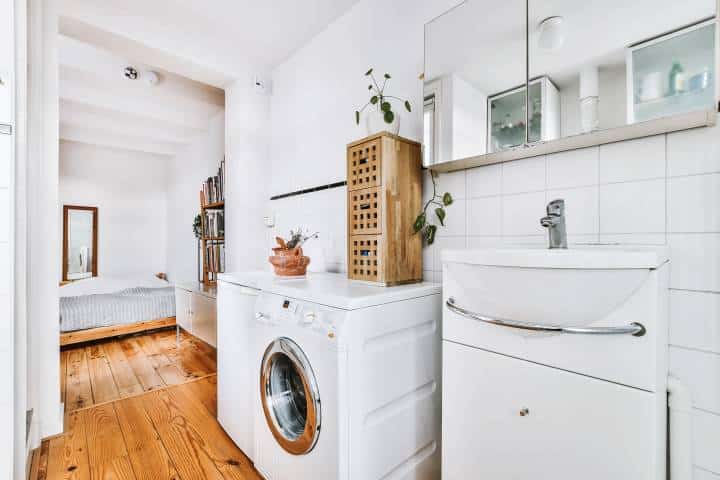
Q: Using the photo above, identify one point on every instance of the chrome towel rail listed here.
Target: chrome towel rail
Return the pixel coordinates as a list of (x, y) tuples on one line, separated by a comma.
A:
[(635, 329)]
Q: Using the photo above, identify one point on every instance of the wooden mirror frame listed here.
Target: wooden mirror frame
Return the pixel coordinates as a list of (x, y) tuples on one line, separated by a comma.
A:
[(66, 210)]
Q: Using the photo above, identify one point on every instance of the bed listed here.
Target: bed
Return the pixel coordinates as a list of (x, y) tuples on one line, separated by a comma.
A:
[(103, 306)]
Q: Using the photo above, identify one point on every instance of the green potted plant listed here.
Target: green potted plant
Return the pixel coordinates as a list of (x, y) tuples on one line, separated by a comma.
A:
[(380, 115)]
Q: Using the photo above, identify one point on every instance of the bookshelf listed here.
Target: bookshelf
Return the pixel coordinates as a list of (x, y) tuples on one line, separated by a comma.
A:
[(212, 219)]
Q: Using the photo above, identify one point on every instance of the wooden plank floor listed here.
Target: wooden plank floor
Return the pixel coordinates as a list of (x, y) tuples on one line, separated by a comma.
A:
[(108, 370), (169, 432)]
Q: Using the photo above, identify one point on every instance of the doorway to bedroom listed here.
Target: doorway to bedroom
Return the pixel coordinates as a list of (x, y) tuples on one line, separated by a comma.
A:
[(140, 218)]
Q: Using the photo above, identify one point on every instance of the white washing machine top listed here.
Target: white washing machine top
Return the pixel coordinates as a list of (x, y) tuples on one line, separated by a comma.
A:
[(250, 279), (336, 290)]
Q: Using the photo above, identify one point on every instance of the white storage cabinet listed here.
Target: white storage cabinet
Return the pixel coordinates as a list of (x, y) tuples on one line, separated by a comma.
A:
[(196, 313)]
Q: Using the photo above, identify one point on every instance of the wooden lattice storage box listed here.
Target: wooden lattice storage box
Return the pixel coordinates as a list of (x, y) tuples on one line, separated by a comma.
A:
[(384, 197)]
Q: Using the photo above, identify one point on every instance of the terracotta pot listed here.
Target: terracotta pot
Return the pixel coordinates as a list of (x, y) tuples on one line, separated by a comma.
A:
[(289, 262)]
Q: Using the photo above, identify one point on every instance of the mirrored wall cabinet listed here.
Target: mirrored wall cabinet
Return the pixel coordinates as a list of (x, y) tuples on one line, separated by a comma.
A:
[(530, 77)]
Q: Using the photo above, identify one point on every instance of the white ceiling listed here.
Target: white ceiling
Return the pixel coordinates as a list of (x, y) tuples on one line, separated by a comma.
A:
[(483, 40), (197, 48)]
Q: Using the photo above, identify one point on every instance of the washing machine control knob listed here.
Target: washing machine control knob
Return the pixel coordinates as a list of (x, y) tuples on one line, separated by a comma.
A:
[(308, 317)]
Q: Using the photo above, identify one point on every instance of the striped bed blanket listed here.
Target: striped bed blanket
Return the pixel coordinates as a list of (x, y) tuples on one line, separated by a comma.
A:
[(127, 306)]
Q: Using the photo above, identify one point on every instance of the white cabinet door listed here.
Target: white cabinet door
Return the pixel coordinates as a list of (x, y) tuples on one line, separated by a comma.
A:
[(508, 419), (204, 318), (182, 309), (236, 383)]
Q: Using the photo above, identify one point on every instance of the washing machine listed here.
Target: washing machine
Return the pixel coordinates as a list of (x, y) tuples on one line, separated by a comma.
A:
[(348, 380), (236, 297)]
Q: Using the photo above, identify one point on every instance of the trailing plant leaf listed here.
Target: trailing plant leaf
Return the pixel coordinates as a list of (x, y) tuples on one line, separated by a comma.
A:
[(440, 212), (422, 223), (385, 106), (407, 106), (369, 72), (419, 223), (389, 116), (387, 76), (369, 87), (374, 99), (357, 117), (430, 234)]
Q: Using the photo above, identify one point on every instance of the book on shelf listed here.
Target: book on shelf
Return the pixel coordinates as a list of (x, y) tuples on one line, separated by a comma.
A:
[(213, 189), (214, 223), (215, 257)]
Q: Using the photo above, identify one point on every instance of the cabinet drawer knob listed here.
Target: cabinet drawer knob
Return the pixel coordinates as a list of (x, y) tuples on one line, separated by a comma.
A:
[(524, 412)]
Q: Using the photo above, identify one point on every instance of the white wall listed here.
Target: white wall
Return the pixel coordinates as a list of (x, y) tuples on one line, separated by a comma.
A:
[(612, 105), (314, 95), (316, 91), (248, 176), (43, 241), (7, 232), (659, 190), (187, 170), (129, 189), (469, 125)]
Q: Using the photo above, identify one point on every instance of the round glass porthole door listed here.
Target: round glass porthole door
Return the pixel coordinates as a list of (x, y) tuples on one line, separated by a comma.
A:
[(290, 397)]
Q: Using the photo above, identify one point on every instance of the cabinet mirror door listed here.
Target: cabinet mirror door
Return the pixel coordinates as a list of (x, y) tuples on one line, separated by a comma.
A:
[(606, 64), (474, 82)]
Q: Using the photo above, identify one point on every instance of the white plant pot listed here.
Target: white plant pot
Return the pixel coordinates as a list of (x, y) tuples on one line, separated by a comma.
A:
[(375, 123)]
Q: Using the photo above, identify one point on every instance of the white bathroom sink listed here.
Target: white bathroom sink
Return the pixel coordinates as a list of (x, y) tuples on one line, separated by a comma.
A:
[(582, 256), (574, 287)]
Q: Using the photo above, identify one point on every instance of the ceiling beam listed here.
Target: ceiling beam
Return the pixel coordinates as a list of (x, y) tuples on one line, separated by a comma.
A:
[(83, 115), (141, 50), (104, 138), (80, 56), (86, 88)]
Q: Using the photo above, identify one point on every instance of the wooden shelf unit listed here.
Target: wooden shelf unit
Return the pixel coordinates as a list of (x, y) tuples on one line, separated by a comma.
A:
[(384, 183), (211, 264)]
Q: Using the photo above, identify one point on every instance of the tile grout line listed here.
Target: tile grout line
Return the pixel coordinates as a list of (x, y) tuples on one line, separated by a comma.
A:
[(693, 349)]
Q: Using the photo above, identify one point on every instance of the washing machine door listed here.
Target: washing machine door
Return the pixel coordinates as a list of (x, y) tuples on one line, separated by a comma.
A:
[(290, 396)]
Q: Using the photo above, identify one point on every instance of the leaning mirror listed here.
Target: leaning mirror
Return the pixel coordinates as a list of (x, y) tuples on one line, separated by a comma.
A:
[(474, 82), (79, 242), (605, 64)]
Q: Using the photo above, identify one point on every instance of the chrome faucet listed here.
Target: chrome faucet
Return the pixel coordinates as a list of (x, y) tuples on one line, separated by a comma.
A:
[(555, 223)]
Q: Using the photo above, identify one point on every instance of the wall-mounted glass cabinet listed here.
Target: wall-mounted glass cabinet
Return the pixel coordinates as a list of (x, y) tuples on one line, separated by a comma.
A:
[(671, 74), (595, 72), (507, 123)]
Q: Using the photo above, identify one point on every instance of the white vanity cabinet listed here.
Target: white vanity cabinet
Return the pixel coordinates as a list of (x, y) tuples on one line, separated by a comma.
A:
[(555, 363), (196, 311)]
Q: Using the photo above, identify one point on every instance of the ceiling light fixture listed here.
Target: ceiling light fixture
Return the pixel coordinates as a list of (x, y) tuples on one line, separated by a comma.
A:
[(131, 73), (552, 33), (151, 78)]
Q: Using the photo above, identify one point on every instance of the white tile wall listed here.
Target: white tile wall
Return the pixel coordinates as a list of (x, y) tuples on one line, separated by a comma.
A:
[(484, 182), (523, 176), (573, 169), (694, 203), (695, 320), (484, 216), (692, 152), (701, 474), (639, 159), (706, 436), (633, 207)]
